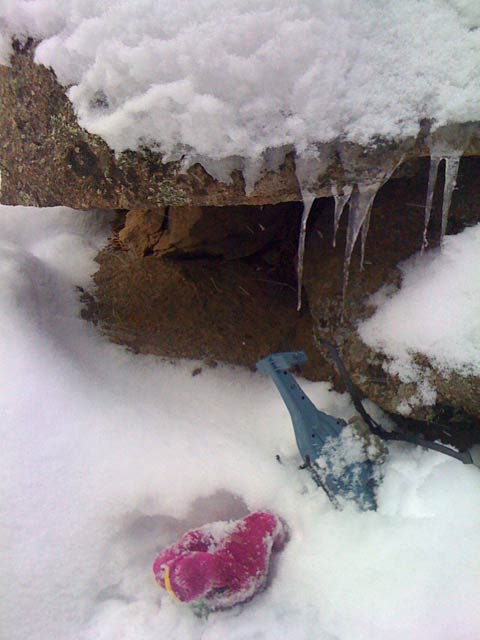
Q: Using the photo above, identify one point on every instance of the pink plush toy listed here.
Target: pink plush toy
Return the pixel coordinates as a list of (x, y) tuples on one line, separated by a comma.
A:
[(221, 564)]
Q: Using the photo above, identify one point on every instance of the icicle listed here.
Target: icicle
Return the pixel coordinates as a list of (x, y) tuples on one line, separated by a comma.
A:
[(365, 230), (360, 207), (220, 169), (308, 200), (340, 202), (253, 168), (432, 181), (274, 157), (369, 169), (451, 171), (446, 143), (310, 168), (452, 162)]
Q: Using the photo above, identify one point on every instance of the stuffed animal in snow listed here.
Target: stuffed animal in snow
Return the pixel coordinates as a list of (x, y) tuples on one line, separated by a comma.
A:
[(223, 564)]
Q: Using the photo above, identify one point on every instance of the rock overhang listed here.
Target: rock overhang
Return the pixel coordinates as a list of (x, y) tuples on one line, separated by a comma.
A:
[(47, 159)]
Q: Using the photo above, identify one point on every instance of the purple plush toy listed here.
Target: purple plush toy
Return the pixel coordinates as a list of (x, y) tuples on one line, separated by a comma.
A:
[(221, 564)]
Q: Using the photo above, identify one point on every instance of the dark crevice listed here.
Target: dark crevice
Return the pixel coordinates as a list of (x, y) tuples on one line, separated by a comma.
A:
[(166, 220), (23, 45), (447, 424)]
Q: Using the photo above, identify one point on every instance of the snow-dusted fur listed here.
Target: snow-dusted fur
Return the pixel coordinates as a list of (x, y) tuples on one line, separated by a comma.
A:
[(222, 564)]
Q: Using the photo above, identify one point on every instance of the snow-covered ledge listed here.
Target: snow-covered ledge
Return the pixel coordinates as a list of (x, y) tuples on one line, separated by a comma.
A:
[(47, 158)]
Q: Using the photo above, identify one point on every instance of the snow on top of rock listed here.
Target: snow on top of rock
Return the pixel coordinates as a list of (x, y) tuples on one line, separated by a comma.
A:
[(436, 312), (215, 79)]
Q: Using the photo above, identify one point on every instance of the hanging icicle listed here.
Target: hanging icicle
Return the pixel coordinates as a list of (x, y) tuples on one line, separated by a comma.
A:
[(447, 143), (365, 230), (311, 167), (253, 169), (360, 208), (452, 163), (340, 202), (368, 170), (432, 181), (308, 200)]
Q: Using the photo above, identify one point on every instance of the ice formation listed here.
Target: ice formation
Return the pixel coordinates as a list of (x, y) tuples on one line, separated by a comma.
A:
[(432, 181), (450, 151), (451, 171), (308, 200), (364, 171), (310, 169), (341, 200), (365, 230), (222, 169), (361, 204), (446, 143), (367, 170)]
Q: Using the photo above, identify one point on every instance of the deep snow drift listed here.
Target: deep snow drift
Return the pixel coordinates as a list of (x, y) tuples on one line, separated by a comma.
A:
[(216, 79), (108, 456)]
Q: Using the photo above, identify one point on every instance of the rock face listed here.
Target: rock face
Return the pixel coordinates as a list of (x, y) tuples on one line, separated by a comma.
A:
[(204, 269), (47, 159)]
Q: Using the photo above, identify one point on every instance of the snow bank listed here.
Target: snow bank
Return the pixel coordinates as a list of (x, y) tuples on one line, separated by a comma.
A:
[(435, 313), (107, 457), (216, 79)]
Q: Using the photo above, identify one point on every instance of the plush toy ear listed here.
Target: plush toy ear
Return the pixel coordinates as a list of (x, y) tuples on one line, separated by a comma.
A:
[(191, 576)]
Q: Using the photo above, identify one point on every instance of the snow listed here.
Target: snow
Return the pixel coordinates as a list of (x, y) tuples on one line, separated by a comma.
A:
[(436, 312), (213, 80), (109, 456)]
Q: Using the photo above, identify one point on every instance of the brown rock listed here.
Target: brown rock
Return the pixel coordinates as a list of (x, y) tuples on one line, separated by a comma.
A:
[(142, 230), (237, 311), (179, 230), (47, 159)]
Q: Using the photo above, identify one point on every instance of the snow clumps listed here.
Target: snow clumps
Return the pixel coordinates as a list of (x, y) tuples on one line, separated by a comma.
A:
[(213, 80)]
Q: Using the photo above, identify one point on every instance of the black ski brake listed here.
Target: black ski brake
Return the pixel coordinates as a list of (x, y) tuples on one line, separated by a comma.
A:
[(471, 456)]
